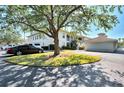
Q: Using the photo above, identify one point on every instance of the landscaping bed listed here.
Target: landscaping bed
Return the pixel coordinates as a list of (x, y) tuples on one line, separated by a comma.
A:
[(46, 59)]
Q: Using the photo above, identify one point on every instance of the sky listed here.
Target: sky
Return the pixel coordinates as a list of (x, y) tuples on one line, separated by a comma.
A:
[(116, 32)]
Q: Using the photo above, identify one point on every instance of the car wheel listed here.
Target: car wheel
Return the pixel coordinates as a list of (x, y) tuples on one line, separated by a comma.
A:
[(19, 53)]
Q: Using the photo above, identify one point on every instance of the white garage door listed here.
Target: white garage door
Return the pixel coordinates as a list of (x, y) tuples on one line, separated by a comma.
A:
[(107, 47)]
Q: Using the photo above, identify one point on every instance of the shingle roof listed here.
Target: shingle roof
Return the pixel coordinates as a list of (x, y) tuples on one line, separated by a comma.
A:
[(101, 38)]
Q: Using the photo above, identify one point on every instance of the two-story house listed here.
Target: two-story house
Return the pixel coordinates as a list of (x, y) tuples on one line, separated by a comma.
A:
[(39, 39)]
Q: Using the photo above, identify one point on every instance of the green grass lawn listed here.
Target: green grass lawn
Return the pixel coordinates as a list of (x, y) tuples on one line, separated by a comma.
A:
[(46, 59)]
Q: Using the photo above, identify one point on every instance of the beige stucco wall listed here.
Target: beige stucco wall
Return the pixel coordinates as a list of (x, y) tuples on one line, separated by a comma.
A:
[(102, 46)]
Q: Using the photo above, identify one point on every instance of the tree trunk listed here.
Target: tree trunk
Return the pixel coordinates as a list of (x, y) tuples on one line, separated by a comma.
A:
[(56, 45)]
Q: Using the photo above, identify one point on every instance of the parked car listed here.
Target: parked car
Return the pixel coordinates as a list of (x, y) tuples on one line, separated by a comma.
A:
[(7, 46), (37, 45), (120, 50), (24, 49)]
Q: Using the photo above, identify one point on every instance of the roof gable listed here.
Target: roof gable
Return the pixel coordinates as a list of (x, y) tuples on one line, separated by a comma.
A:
[(101, 38)]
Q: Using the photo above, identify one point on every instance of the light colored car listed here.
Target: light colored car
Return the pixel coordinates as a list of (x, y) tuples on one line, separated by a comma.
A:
[(7, 46), (120, 50)]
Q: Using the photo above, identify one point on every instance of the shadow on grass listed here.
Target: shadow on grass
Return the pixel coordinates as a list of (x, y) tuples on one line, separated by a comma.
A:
[(28, 60), (81, 75)]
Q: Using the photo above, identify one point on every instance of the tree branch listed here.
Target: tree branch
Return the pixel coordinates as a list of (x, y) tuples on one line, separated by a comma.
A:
[(58, 19), (66, 17), (52, 17), (34, 28), (51, 25)]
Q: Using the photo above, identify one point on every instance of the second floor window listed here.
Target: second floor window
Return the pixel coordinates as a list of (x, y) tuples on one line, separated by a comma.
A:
[(33, 38), (40, 36), (37, 36)]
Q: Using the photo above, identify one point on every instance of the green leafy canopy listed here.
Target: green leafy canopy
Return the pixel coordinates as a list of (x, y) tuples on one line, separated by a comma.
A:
[(50, 19)]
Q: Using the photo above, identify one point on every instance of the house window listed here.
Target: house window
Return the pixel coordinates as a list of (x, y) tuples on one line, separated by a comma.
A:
[(40, 36), (63, 35), (35, 37), (68, 44)]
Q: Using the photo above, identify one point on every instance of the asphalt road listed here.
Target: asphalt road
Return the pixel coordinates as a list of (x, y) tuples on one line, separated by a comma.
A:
[(108, 72)]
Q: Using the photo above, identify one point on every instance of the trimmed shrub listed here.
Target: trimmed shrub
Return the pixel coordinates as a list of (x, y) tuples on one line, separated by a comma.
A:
[(81, 48), (45, 47), (67, 47), (75, 59)]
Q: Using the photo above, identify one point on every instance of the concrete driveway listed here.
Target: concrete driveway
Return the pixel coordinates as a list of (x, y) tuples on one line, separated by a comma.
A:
[(108, 72)]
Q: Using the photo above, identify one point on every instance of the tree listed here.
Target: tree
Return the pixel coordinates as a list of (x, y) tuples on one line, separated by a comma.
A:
[(121, 42), (8, 37), (49, 20)]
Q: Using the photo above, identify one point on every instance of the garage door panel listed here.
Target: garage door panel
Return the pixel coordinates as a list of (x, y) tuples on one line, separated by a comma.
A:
[(101, 47)]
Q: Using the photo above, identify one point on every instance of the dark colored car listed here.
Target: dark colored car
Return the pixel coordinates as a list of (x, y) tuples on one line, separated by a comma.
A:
[(24, 49)]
